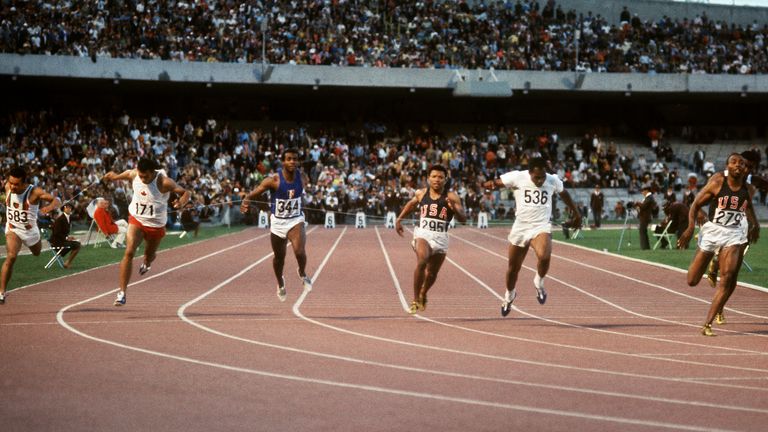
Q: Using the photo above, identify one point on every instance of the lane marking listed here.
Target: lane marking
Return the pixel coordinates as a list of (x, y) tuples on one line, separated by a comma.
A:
[(613, 305)]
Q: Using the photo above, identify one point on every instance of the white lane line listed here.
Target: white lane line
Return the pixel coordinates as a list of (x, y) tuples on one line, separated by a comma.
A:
[(376, 389), (616, 306), (671, 291), (515, 360), (297, 312)]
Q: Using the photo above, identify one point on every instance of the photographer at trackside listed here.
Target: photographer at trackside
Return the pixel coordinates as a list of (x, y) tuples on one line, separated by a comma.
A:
[(645, 210)]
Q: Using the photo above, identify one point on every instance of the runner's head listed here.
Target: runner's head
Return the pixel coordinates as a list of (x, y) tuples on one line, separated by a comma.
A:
[(290, 159), (17, 179), (147, 170), (437, 177), (537, 168)]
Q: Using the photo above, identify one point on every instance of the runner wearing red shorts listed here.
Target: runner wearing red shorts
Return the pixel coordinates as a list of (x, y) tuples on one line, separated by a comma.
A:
[(148, 215)]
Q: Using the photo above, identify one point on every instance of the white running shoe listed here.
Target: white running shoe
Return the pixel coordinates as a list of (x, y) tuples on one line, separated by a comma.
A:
[(541, 294), (305, 280), (2, 298), (120, 300), (506, 305), (281, 293)]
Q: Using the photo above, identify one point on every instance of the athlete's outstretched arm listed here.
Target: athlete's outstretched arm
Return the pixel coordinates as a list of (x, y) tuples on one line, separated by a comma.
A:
[(269, 183), (407, 209), (169, 185), (566, 197), (454, 202), (703, 197), (125, 175)]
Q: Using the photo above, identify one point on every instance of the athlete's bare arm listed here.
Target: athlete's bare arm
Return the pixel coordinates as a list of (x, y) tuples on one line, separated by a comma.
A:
[(167, 184), (566, 197), (270, 183), (38, 194), (702, 198), (454, 203), (407, 209), (125, 175)]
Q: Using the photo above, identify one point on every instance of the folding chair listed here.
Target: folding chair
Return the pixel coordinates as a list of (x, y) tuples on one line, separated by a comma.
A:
[(94, 230), (663, 235), (56, 251)]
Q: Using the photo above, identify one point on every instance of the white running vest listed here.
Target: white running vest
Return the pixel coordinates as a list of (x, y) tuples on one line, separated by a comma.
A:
[(149, 206), (20, 214)]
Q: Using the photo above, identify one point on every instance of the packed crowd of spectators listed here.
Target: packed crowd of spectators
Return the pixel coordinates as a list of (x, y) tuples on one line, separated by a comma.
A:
[(374, 168), (510, 34)]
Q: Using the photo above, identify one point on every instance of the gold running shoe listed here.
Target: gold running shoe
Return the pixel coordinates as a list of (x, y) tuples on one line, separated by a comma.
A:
[(712, 273), (415, 307), (707, 330), (423, 303), (719, 319)]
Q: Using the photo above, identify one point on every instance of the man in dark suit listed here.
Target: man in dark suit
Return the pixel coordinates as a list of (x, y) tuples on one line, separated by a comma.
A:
[(677, 213), (698, 160), (60, 235), (596, 202), (645, 210)]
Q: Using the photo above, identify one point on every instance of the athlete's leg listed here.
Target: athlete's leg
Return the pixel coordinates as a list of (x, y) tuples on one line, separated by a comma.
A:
[(133, 239), (278, 248), (729, 261), (36, 248), (298, 237), (150, 249), (542, 246), (516, 255), (423, 252), (434, 263), (12, 246), (698, 266)]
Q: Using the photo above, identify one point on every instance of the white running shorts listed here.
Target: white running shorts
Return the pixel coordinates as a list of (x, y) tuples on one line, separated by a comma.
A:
[(713, 237), (280, 227), (522, 234)]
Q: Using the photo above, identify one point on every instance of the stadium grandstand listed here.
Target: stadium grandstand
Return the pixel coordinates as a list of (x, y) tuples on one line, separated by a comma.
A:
[(613, 93)]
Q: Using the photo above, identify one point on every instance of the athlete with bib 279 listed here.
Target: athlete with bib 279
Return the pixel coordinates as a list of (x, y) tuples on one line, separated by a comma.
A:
[(730, 199), (148, 215), (286, 221), (437, 206), (534, 190)]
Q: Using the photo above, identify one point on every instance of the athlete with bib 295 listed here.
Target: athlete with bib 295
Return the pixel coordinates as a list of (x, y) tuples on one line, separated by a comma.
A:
[(437, 206), (533, 191), (148, 215), (286, 221)]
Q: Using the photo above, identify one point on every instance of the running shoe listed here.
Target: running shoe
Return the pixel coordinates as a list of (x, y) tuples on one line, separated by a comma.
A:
[(120, 300), (415, 306), (712, 272), (541, 294), (423, 302), (707, 330), (305, 280), (281, 294), (719, 318), (2, 298), (143, 269), (506, 305)]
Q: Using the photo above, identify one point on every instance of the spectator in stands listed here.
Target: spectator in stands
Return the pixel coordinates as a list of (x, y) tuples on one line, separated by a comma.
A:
[(60, 237), (699, 156), (110, 227)]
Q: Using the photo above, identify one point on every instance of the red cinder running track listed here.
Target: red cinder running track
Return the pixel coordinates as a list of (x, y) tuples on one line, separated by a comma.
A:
[(204, 344)]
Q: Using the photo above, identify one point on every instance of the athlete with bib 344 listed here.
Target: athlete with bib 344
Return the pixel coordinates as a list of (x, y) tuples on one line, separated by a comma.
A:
[(287, 217)]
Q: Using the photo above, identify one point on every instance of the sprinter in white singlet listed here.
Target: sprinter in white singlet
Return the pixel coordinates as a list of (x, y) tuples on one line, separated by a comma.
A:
[(148, 214), (22, 205)]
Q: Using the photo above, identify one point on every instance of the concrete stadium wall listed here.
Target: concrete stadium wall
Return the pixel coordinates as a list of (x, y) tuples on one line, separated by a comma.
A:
[(655, 9), (462, 82)]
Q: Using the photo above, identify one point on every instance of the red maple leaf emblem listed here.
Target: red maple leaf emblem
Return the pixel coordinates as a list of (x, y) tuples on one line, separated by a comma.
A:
[(144, 193), (16, 205)]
